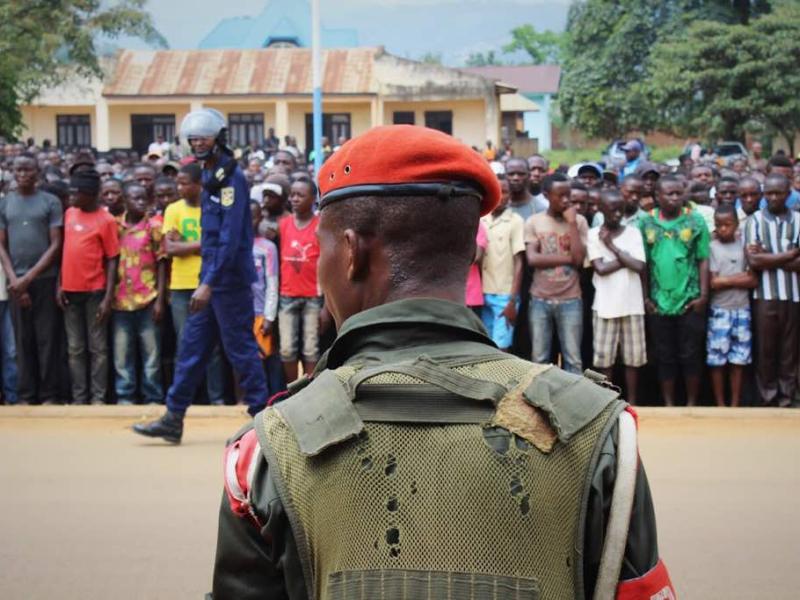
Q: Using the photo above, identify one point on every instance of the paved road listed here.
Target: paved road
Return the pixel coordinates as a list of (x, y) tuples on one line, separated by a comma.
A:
[(89, 511)]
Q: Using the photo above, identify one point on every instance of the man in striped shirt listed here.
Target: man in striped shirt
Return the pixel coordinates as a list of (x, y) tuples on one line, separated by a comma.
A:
[(772, 247)]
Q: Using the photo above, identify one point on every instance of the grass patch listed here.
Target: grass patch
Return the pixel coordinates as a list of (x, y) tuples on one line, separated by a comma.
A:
[(592, 153)]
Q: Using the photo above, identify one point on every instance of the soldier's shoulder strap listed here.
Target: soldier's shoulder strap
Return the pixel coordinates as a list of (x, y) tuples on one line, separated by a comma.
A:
[(324, 412)]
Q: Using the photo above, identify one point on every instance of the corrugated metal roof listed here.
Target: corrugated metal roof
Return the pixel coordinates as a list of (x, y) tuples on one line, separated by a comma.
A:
[(530, 79), (235, 72)]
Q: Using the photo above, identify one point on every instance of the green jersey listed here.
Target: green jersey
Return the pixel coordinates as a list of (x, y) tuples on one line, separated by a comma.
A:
[(673, 249)]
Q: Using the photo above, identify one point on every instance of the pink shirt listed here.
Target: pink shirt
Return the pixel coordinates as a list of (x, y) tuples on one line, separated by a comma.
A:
[(474, 289)]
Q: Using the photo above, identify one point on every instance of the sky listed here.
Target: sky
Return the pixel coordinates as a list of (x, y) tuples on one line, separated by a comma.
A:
[(407, 28)]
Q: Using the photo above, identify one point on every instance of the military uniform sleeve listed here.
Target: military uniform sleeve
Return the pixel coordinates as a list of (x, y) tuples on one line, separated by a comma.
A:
[(642, 574), (256, 554)]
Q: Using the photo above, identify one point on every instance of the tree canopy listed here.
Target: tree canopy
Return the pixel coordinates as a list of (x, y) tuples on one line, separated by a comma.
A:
[(722, 80), (543, 47), (44, 41), (606, 83)]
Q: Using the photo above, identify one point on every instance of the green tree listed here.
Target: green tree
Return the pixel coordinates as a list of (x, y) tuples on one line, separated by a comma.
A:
[(604, 87), (431, 58), (543, 47), (44, 41), (483, 59), (721, 80)]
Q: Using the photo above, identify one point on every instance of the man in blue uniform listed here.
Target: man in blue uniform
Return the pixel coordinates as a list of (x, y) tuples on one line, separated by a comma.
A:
[(222, 305)]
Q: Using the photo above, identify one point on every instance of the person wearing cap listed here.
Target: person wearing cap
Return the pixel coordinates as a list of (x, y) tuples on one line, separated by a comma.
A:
[(590, 174), (418, 460), (222, 305), (86, 286), (632, 150), (275, 197), (649, 175)]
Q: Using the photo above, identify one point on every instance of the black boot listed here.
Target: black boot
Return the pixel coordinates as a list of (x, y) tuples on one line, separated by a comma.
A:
[(169, 427)]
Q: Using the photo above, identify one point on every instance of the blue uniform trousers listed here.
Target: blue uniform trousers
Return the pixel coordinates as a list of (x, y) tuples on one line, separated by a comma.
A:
[(227, 318)]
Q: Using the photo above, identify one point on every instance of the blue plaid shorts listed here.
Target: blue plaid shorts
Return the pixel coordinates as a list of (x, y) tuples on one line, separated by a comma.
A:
[(730, 337)]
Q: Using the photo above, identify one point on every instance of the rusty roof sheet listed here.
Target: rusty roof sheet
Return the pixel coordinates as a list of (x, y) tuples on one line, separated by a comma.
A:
[(237, 72)]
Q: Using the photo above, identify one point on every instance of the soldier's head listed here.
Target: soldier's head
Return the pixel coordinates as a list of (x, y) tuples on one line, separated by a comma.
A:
[(407, 234)]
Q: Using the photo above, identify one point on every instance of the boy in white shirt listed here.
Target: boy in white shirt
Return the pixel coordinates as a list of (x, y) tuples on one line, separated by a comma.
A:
[(617, 254)]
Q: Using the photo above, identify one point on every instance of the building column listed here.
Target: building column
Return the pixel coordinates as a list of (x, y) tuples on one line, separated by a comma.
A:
[(282, 119), (376, 111), (102, 125), (493, 117)]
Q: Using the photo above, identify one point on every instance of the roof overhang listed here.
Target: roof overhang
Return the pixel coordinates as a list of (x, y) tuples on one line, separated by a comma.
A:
[(517, 103)]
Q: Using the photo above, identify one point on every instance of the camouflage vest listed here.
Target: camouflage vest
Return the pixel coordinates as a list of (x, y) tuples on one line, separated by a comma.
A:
[(432, 479)]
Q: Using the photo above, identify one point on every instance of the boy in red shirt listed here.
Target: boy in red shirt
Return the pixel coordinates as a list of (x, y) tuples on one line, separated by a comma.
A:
[(300, 299), (86, 287)]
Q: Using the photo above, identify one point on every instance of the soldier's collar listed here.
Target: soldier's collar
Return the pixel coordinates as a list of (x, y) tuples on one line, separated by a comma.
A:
[(404, 322)]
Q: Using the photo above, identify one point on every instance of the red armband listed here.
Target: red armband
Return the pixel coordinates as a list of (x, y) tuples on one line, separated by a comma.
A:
[(240, 462), (653, 585), (634, 414)]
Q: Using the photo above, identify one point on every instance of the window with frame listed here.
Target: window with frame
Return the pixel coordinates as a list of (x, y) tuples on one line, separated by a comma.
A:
[(73, 131), (334, 126), (244, 128), (440, 119), (404, 117), (146, 129)]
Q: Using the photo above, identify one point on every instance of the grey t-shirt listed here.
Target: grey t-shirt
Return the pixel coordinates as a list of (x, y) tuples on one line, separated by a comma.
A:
[(534, 206), (728, 259), (27, 221)]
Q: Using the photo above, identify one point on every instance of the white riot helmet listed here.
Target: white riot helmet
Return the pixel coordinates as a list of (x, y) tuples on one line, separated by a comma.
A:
[(205, 122)]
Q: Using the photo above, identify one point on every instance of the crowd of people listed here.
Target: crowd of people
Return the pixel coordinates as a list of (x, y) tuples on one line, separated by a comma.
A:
[(644, 273)]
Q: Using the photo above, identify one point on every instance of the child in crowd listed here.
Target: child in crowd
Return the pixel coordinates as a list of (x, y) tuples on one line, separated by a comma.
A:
[(86, 288), (555, 242), (502, 270), (617, 255), (729, 337), (772, 247), (579, 198), (165, 192), (111, 195), (727, 190), (182, 233), (139, 300), (749, 196), (474, 293), (677, 246), (700, 202), (300, 301), (265, 300), (275, 195)]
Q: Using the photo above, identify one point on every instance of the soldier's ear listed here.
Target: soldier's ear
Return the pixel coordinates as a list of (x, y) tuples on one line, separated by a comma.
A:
[(358, 255)]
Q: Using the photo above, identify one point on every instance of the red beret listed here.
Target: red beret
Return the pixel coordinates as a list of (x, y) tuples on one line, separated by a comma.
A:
[(404, 160)]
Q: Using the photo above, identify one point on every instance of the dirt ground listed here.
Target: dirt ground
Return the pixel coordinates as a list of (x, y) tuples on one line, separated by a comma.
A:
[(88, 510)]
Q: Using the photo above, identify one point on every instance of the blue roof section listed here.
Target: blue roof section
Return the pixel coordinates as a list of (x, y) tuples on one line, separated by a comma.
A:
[(280, 19)]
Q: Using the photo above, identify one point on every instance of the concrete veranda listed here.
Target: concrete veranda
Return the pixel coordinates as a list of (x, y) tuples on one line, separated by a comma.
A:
[(89, 510)]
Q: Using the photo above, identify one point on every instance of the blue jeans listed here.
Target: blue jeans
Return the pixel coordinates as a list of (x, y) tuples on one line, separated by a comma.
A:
[(132, 330), (8, 354), (566, 317), (215, 374)]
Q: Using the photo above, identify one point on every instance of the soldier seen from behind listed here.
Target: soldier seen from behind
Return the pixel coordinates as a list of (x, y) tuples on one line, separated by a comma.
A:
[(419, 460)]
